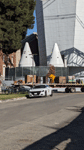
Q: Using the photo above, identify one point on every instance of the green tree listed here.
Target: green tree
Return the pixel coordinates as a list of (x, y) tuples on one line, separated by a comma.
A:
[(16, 16)]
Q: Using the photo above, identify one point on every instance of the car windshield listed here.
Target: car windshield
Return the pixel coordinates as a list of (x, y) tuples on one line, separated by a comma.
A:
[(39, 86)]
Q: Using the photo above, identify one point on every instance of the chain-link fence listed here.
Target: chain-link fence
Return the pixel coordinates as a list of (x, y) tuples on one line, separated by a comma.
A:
[(41, 71)]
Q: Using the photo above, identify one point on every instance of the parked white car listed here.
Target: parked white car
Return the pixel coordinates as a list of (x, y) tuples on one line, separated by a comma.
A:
[(41, 90)]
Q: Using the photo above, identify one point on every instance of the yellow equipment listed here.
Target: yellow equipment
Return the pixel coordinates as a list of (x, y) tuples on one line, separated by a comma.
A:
[(52, 77)]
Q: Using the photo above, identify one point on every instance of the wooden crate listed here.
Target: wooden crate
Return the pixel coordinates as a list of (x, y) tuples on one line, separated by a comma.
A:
[(34, 78), (38, 79), (23, 82), (71, 78), (61, 80), (29, 78)]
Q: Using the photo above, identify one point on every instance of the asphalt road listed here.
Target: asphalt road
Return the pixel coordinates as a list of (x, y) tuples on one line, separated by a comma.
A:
[(27, 124)]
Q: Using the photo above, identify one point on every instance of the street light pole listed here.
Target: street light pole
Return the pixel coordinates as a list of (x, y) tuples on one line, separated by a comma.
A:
[(33, 64)]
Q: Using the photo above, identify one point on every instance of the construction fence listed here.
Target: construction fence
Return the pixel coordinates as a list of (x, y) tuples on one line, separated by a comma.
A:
[(40, 71)]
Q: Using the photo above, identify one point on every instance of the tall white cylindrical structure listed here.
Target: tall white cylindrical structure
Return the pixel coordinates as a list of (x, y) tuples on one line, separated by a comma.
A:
[(61, 22)]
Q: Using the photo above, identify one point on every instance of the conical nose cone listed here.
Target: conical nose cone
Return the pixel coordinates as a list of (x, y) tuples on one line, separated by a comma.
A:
[(27, 58), (56, 59)]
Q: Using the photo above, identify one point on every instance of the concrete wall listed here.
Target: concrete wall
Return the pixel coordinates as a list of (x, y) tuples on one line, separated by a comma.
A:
[(41, 34), (63, 23), (79, 26)]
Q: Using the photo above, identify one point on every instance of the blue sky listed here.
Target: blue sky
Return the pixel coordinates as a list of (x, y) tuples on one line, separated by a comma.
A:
[(35, 27)]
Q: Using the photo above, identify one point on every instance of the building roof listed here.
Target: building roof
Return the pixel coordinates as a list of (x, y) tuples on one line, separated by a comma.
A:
[(30, 38)]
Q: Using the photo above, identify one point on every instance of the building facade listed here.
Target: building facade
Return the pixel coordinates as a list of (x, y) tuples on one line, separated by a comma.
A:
[(61, 22), (10, 60)]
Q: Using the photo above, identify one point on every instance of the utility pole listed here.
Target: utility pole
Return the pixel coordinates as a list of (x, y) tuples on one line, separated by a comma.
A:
[(33, 64)]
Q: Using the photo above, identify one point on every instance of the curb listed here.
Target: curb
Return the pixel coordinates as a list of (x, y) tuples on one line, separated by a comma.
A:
[(13, 99)]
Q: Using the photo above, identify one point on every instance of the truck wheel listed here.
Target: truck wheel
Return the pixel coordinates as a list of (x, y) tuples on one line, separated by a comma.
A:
[(45, 93), (72, 90), (67, 90), (82, 89)]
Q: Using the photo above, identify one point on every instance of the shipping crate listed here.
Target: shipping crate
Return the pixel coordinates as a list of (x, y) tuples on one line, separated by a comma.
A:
[(71, 79), (38, 79), (34, 78), (23, 82), (29, 78), (61, 80)]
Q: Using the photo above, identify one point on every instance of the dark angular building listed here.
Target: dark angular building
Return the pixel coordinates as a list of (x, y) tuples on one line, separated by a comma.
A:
[(33, 43)]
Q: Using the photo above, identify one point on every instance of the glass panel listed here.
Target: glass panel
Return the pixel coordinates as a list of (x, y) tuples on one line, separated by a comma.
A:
[(58, 71), (21, 72), (26, 71), (36, 71), (43, 70), (18, 72)]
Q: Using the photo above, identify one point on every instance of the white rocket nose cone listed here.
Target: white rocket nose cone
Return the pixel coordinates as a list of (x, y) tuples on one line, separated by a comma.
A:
[(27, 58), (56, 59)]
